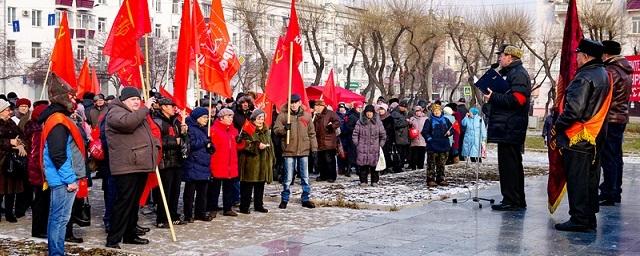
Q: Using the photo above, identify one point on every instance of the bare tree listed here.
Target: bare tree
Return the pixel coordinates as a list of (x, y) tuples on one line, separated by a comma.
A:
[(313, 20), (11, 66), (546, 53), (251, 14), (602, 21)]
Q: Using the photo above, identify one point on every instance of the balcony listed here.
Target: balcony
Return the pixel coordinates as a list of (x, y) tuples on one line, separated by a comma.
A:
[(82, 33), (561, 8), (84, 5), (633, 5), (55, 32), (64, 3)]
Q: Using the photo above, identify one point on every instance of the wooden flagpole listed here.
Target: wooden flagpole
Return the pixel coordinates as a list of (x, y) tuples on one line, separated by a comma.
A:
[(166, 206), (145, 93), (146, 61), (289, 94), (46, 78)]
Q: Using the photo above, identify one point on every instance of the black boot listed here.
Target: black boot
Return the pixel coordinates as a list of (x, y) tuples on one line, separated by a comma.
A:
[(69, 237)]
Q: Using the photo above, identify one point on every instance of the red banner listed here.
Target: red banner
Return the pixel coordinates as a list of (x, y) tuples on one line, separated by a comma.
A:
[(635, 88)]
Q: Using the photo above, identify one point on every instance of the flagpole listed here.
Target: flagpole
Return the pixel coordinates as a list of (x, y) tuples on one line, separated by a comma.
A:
[(146, 56), (164, 203), (46, 77), (289, 94), (209, 119), (145, 93)]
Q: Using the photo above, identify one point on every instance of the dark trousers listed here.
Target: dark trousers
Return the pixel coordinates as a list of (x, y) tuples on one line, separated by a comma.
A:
[(40, 211), (9, 202), (403, 153), (24, 199), (363, 173), (246, 188), (583, 174), (612, 163), (511, 174), (327, 164), (227, 194), (124, 219), (387, 149), (171, 180), (109, 195), (197, 189), (417, 157)]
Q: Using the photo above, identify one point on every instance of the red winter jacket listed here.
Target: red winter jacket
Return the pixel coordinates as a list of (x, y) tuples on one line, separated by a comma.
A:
[(224, 162)]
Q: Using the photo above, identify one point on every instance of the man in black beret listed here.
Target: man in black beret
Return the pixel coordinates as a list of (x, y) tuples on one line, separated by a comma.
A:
[(580, 135), (620, 70)]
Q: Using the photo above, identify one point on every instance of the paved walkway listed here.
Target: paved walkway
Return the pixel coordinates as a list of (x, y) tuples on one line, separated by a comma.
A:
[(441, 228)]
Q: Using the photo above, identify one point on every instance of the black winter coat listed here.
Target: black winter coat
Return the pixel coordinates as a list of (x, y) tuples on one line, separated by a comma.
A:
[(507, 119), (171, 149), (401, 127), (387, 122), (584, 96)]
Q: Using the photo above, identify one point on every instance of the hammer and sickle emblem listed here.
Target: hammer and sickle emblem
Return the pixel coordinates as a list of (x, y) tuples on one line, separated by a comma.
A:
[(279, 56)]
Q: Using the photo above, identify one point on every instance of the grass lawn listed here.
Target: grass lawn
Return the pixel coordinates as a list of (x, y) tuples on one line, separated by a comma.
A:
[(631, 143)]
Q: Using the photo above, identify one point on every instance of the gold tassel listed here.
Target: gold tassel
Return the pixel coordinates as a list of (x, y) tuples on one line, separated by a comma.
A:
[(582, 136)]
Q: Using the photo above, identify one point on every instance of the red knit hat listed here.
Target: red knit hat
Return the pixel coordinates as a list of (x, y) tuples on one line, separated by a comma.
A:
[(23, 101)]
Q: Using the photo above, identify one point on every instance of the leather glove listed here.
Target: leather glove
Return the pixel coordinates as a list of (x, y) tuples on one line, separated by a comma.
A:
[(287, 127)]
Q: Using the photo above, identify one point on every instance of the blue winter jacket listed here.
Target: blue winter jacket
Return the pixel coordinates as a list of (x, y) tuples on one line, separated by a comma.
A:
[(475, 135), (196, 167), (63, 162), (435, 132)]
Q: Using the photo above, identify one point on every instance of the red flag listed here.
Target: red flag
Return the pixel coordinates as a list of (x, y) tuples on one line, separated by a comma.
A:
[(556, 185), (130, 24), (181, 77), (95, 88), (218, 62), (293, 35), (129, 73), (266, 105), (248, 127), (329, 92), (62, 63), (152, 179), (84, 80)]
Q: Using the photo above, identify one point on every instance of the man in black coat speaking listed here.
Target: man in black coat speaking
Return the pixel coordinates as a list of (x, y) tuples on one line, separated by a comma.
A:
[(508, 120)]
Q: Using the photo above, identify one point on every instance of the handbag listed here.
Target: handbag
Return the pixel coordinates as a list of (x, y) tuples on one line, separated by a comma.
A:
[(81, 212), (16, 165), (413, 133), (382, 164)]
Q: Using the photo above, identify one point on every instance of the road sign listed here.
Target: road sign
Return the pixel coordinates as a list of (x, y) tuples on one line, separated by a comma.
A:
[(16, 26), (51, 19), (467, 90)]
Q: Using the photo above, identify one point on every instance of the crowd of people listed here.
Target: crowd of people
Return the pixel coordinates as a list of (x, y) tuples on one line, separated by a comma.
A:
[(53, 150)]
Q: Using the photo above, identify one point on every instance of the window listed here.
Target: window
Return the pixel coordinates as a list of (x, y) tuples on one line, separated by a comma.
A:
[(636, 25), (174, 32), (326, 48), (11, 14), (272, 42), (80, 52), (36, 18), (449, 60), (206, 10), (102, 24), (83, 21), (156, 31), (102, 1), (158, 6), (101, 57), (36, 50), (11, 48), (175, 6), (305, 67), (272, 20), (234, 39), (234, 17)]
